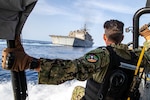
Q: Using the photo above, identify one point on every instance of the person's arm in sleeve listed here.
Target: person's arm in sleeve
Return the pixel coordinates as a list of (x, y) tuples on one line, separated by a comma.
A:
[(57, 71), (145, 32)]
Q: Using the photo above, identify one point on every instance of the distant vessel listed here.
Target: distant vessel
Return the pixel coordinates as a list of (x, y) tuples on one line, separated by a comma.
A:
[(77, 38)]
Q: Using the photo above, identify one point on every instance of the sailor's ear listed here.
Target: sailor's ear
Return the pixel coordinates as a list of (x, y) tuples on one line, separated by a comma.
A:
[(104, 37)]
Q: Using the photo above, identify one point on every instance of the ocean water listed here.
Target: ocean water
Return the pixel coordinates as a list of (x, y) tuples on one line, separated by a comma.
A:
[(42, 49)]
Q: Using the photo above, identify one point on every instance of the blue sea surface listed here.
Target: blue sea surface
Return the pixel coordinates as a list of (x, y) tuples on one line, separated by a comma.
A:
[(42, 49)]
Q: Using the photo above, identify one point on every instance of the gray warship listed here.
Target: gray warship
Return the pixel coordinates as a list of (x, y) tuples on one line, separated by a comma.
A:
[(77, 38)]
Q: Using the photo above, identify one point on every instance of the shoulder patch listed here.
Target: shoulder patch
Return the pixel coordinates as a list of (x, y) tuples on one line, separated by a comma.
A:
[(91, 58)]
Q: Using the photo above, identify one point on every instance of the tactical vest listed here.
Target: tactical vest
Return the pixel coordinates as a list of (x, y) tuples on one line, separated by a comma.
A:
[(117, 81)]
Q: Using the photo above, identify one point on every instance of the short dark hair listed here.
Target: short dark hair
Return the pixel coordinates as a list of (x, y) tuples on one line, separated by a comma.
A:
[(114, 30)]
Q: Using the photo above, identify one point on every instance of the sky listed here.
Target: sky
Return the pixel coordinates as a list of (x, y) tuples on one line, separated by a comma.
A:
[(59, 17)]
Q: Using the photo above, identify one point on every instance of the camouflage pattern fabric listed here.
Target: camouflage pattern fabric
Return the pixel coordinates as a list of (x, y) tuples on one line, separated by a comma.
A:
[(56, 71), (92, 64), (147, 44), (78, 93)]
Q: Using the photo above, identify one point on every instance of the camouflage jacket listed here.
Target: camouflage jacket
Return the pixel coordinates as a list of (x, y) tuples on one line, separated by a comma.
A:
[(92, 64)]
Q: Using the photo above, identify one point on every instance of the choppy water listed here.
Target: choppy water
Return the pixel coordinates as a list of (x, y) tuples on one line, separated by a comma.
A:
[(41, 92)]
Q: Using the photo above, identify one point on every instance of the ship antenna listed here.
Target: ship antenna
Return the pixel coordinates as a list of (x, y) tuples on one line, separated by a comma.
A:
[(85, 27)]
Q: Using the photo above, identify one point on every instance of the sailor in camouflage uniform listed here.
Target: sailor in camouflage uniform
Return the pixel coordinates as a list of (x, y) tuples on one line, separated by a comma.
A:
[(93, 65)]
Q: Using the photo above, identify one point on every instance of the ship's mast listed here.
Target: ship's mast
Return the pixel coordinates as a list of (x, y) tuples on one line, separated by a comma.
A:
[(85, 28)]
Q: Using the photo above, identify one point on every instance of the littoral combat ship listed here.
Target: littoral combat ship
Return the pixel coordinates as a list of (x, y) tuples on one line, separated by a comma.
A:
[(77, 38)]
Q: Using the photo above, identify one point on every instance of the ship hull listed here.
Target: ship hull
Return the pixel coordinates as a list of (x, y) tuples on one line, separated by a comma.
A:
[(70, 41)]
